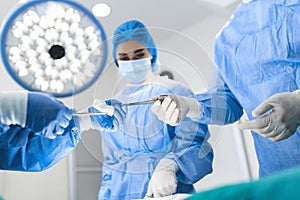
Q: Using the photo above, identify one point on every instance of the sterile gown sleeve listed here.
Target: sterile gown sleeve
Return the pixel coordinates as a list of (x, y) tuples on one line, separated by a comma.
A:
[(191, 150), (219, 105), (192, 153), (22, 150)]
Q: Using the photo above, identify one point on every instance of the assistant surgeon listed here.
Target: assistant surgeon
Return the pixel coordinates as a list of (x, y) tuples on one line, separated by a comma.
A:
[(257, 54)]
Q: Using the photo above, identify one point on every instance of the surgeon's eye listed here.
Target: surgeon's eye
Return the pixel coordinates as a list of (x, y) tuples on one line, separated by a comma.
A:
[(138, 54), (123, 57)]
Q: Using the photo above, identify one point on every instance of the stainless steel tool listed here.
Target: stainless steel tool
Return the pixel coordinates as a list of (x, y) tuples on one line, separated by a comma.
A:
[(150, 101)]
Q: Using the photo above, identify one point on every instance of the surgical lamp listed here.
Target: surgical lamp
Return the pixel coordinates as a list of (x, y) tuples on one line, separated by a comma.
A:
[(53, 46)]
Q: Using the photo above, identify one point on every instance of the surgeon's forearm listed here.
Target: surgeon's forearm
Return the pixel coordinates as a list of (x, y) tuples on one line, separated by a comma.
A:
[(192, 153), (219, 107), (199, 165), (22, 150)]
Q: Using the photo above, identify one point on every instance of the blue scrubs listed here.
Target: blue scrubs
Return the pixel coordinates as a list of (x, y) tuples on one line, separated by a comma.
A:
[(131, 155), (257, 55), (22, 150)]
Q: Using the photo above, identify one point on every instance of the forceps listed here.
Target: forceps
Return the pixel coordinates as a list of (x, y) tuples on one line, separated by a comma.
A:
[(150, 101)]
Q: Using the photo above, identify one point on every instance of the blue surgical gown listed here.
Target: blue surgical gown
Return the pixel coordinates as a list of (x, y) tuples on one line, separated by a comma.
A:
[(257, 56), (131, 155), (22, 150)]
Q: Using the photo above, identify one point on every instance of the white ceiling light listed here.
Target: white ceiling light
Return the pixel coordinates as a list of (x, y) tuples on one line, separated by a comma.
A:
[(101, 10)]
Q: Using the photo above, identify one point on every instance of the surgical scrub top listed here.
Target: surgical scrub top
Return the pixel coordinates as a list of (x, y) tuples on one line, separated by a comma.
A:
[(131, 155), (22, 150), (258, 55)]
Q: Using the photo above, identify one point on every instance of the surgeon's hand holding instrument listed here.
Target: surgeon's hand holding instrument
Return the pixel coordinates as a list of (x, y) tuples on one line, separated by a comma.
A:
[(114, 116), (283, 118), (108, 109), (41, 113), (173, 109), (163, 181), (110, 114)]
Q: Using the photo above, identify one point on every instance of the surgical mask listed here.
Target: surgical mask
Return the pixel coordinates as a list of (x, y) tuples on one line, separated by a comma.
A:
[(135, 71)]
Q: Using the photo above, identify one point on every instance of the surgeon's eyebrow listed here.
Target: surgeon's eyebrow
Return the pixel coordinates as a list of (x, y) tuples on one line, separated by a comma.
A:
[(135, 51), (139, 50), (122, 54)]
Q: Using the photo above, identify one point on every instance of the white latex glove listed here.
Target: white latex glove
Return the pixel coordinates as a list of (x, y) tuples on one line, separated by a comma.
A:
[(85, 122), (173, 109), (163, 181), (282, 120), (103, 107)]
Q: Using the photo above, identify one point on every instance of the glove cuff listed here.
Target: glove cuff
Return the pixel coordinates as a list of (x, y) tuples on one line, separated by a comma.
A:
[(166, 164), (194, 107), (103, 107), (13, 107)]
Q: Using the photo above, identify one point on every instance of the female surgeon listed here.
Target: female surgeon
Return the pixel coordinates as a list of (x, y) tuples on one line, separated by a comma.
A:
[(144, 157), (258, 63)]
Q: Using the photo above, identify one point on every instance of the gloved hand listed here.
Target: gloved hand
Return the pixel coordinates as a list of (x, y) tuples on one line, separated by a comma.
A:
[(282, 118), (113, 120), (163, 181), (41, 113), (173, 109)]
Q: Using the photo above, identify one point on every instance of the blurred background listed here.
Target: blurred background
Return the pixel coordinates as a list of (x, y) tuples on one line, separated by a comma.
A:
[(184, 32)]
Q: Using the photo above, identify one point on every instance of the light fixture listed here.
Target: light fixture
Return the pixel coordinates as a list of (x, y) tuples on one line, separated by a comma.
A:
[(101, 10), (54, 46)]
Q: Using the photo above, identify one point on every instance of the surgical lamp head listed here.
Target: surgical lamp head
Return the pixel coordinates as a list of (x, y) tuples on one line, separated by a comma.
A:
[(53, 46)]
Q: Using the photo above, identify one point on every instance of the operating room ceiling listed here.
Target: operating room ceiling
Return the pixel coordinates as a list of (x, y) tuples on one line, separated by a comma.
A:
[(169, 14)]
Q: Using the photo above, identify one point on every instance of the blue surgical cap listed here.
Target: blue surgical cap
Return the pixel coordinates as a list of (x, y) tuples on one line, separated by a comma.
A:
[(133, 30)]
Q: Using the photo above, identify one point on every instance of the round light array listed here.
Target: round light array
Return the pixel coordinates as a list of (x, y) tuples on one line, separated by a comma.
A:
[(57, 47)]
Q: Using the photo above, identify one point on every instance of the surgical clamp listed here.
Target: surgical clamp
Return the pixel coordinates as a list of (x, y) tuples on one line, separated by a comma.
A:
[(150, 101)]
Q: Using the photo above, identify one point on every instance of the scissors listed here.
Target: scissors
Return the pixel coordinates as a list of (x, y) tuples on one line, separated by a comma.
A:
[(150, 101)]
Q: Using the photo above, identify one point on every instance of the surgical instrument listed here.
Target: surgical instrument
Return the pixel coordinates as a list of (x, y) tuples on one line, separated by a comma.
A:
[(150, 101)]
